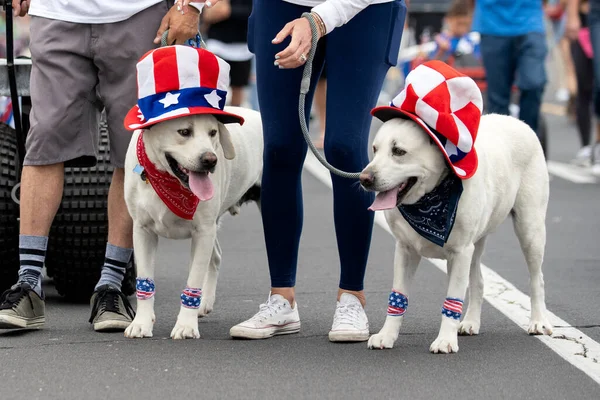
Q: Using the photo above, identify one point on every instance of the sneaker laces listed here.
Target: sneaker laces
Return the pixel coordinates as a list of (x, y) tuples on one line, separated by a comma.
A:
[(107, 300), (347, 314), (266, 310), (13, 296)]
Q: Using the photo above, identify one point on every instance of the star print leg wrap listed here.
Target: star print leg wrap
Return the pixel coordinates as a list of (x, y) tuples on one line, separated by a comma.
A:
[(144, 288), (397, 304), (452, 308), (190, 297)]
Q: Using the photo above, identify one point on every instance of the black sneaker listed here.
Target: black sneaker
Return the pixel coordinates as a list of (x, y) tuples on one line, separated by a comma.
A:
[(21, 307), (111, 311)]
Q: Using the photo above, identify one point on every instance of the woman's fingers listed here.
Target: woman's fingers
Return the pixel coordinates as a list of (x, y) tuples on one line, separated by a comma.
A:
[(296, 59), (285, 32)]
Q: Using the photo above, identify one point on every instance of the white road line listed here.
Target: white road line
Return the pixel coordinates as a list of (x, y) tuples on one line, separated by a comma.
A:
[(570, 343), (571, 172)]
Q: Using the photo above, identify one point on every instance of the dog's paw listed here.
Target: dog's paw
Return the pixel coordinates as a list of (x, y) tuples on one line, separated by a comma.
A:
[(139, 328), (540, 326), (206, 306), (381, 341), (469, 327), (444, 345), (185, 331)]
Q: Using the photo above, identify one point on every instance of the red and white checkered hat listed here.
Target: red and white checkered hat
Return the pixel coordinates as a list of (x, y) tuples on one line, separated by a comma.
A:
[(447, 105), (176, 81)]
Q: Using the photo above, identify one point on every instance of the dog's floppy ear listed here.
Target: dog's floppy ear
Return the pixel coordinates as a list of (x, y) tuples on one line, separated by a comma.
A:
[(226, 143)]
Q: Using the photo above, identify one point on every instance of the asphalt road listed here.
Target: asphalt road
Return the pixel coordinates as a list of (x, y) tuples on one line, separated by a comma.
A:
[(68, 360)]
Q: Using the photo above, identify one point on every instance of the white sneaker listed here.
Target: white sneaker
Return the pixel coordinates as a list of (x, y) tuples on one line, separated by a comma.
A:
[(350, 322), (596, 161), (583, 158), (275, 317)]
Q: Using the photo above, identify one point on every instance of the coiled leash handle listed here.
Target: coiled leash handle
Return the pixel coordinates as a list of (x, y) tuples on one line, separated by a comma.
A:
[(196, 41), (304, 88)]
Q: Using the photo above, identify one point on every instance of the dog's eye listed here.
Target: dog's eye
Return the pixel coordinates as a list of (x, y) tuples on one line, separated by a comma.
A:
[(374, 149), (397, 151), (212, 133), (184, 132)]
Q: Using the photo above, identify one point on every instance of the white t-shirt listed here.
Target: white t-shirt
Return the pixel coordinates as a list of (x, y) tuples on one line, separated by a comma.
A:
[(336, 13), (93, 11)]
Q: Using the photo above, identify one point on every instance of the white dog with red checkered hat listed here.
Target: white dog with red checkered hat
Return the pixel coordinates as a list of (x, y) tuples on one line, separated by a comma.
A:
[(446, 177), (184, 170)]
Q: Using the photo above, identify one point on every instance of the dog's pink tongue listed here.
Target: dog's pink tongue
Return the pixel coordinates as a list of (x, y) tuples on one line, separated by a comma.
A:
[(201, 185), (385, 200)]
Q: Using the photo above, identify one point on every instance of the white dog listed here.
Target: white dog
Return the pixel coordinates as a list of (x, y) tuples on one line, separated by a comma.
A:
[(512, 178), (223, 167)]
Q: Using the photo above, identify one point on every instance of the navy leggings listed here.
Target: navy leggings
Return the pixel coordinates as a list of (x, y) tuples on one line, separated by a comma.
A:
[(358, 56)]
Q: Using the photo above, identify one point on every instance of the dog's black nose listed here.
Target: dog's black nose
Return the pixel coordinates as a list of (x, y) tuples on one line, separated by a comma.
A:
[(367, 179), (208, 160)]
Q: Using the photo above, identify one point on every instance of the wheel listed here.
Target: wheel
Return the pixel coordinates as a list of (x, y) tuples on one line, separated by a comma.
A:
[(77, 242), (9, 210)]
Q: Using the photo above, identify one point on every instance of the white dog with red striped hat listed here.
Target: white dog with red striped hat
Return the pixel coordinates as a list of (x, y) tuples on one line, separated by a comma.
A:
[(184, 169), (447, 177)]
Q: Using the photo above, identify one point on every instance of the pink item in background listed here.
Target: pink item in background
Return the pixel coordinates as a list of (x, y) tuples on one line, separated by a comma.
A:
[(586, 42)]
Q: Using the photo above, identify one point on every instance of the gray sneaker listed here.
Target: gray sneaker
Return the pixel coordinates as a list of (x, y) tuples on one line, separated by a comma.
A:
[(111, 311), (21, 307)]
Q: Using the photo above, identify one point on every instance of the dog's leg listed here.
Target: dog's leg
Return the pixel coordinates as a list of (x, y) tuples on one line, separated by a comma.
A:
[(144, 243), (210, 281), (406, 262), (531, 231), (472, 321), (187, 320), (458, 280)]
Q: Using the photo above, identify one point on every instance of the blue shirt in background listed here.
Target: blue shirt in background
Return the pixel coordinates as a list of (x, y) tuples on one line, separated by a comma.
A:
[(508, 17)]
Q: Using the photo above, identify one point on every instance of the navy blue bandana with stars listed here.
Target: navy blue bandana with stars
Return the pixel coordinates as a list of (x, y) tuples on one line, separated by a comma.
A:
[(434, 214)]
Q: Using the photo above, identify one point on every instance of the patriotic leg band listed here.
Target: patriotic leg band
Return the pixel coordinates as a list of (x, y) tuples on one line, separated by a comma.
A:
[(190, 297), (452, 308), (144, 288), (397, 304)]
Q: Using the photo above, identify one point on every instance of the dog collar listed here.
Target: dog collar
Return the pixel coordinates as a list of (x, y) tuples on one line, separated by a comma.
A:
[(433, 215), (179, 199)]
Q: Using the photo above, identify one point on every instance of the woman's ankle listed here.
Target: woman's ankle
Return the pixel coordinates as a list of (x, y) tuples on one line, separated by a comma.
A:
[(288, 293), (360, 295)]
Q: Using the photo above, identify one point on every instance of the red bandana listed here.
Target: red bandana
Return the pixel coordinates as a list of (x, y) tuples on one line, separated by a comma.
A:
[(178, 198)]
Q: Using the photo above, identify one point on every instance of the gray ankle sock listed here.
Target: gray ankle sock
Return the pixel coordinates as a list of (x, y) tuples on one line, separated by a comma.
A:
[(115, 265), (32, 254)]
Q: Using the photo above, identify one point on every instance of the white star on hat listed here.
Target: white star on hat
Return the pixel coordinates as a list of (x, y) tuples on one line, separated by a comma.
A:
[(213, 98), (170, 99)]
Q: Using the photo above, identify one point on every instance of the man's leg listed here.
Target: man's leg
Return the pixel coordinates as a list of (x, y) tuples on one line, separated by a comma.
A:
[(531, 71), (594, 22), (116, 53), (499, 60), (61, 118)]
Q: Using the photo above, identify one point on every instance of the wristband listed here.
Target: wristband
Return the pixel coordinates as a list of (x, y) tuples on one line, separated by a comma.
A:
[(397, 304), (144, 288), (452, 308), (190, 297)]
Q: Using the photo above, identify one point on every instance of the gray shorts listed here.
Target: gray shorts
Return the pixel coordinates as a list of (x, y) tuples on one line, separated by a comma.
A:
[(78, 70)]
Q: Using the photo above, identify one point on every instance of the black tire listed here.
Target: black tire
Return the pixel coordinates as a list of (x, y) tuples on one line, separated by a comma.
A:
[(9, 210), (77, 243)]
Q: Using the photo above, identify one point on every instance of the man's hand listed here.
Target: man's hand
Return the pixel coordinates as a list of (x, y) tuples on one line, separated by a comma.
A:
[(20, 7), (182, 24), (442, 43)]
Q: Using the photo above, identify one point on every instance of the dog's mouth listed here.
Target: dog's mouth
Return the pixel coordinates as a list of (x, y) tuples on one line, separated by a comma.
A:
[(393, 198), (198, 182)]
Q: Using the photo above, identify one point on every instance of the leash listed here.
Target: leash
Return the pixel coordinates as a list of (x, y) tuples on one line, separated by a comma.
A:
[(198, 42), (304, 88)]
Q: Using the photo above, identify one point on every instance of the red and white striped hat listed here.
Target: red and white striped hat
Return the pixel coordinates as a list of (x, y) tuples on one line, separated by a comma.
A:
[(447, 105), (176, 81)]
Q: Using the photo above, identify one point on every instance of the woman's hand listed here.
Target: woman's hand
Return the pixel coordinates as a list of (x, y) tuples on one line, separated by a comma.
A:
[(297, 51)]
